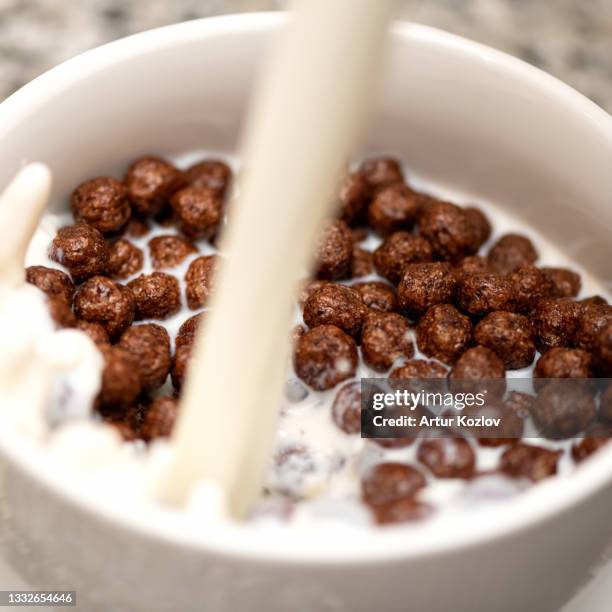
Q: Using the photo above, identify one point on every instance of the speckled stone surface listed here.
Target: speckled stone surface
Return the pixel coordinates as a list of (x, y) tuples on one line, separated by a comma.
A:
[(572, 39)]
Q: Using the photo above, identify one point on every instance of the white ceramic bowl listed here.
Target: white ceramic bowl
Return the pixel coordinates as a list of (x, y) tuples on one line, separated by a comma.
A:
[(460, 114)]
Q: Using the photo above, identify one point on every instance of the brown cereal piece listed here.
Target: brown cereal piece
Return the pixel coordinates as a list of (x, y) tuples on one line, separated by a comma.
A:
[(82, 249), (529, 284), (334, 251), (377, 296), (480, 224), (150, 345), (475, 365), (362, 263), (532, 462), (450, 231), (420, 369), (563, 363), (180, 362), (594, 300), (150, 181), (346, 409), (169, 251), (448, 457), (424, 285), (156, 295), (54, 283), (188, 329), (324, 357), (101, 202), (104, 301), (212, 174), (397, 251), (563, 410), (136, 228), (587, 446), (60, 312), (603, 352), (509, 431), (605, 403), (472, 264), (393, 208), (385, 338), (511, 252), (554, 322), (593, 319), (160, 418), (336, 305), (198, 210), (564, 282), (444, 333), (307, 288), (401, 511), (480, 294), (354, 196), (509, 335), (120, 385), (96, 331), (125, 259), (387, 482), (381, 171), (200, 280), (520, 403)]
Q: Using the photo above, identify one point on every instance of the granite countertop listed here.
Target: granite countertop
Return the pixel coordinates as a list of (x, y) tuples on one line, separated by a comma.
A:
[(572, 39)]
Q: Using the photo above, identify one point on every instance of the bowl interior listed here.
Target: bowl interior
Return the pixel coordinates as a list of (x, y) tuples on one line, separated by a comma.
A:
[(459, 114)]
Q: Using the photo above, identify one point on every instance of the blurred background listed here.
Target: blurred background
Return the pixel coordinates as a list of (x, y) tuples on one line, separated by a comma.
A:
[(571, 39)]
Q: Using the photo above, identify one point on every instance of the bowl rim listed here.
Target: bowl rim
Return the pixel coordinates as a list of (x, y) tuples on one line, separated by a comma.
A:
[(289, 545)]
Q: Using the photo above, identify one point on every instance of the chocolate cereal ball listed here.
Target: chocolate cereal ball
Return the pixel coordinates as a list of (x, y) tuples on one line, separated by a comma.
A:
[(124, 259), (377, 296), (54, 283), (593, 319), (393, 208), (564, 282), (479, 294), (425, 284), (334, 251), (150, 345), (159, 419), (120, 385), (450, 231), (198, 210), (563, 363), (472, 264), (179, 364), (60, 312), (156, 295), (188, 329), (82, 249), (96, 331), (136, 228), (419, 368), (336, 305), (354, 196), (480, 225), (448, 457), (101, 202), (511, 252), (212, 174), (590, 444), (532, 462), (385, 337), (529, 284), (104, 301), (381, 171), (563, 410), (169, 251), (150, 181), (324, 357), (603, 352), (200, 280), (554, 322), (509, 336), (397, 251), (477, 364), (307, 288), (346, 409), (403, 510), (362, 263), (388, 482), (444, 333)]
